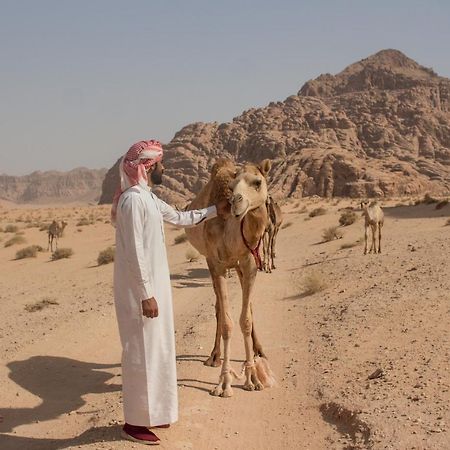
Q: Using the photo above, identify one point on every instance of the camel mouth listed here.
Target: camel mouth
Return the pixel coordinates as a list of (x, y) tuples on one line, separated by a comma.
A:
[(240, 211)]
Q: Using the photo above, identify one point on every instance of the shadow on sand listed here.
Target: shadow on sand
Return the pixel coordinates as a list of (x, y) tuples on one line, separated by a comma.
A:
[(60, 383)]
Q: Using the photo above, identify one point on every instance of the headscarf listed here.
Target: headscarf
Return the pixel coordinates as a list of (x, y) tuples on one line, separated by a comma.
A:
[(133, 168)]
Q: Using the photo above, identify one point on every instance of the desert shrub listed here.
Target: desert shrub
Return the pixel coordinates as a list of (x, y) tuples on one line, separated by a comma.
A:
[(38, 306), (28, 252), (61, 253), (317, 212), (180, 239), (347, 218), (84, 221), (314, 282), (192, 255), (331, 233), (285, 225), (441, 204), (16, 239), (11, 229), (427, 199), (106, 256), (351, 244)]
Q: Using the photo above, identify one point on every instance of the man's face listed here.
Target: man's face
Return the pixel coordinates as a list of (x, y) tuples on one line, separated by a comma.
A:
[(156, 173)]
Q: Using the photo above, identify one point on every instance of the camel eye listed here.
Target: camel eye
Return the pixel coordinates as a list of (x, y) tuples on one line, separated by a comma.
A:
[(257, 184)]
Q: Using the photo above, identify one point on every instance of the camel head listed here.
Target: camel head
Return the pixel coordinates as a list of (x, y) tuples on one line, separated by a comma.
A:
[(249, 188), (364, 204)]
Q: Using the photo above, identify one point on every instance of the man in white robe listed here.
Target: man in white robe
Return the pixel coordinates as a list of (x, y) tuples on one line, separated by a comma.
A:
[(143, 295)]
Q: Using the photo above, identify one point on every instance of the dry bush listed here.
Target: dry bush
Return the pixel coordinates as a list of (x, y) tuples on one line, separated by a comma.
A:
[(314, 282), (16, 239), (317, 212), (11, 229), (38, 306), (441, 204), (192, 255), (106, 256), (331, 233), (351, 244), (28, 252), (180, 239), (61, 253), (427, 199), (347, 218), (84, 221), (287, 224)]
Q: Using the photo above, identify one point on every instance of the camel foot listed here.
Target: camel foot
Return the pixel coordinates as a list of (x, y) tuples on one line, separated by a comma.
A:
[(259, 386), (249, 386), (223, 389), (379, 251), (213, 361)]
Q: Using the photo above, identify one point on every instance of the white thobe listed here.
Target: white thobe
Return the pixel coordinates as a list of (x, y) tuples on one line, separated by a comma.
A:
[(141, 271)]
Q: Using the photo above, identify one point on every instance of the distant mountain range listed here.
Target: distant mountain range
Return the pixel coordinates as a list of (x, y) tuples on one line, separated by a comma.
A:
[(77, 185)]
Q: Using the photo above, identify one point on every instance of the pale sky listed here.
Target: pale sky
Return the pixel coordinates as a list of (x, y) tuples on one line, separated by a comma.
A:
[(82, 80)]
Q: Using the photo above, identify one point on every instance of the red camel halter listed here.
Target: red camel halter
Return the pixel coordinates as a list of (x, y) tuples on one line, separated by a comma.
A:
[(253, 251)]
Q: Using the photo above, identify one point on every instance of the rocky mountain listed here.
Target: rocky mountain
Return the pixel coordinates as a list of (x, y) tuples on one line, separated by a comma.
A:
[(79, 184), (381, 127)]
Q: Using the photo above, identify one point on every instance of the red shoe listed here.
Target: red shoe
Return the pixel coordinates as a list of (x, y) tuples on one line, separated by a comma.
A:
[(139, 434)]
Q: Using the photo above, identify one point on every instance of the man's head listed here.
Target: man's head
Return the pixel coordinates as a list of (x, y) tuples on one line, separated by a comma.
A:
[(155, 174)]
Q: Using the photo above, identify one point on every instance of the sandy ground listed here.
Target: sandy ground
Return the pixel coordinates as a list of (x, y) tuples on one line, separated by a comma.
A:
[(60, 366)]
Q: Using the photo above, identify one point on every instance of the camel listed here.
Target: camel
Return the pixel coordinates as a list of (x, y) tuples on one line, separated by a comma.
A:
[(55, 231), (233, 242), (374, 217), (270, 236)]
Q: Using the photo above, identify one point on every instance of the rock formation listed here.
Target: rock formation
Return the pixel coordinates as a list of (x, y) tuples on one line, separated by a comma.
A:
[(381, 127), (79, 184)]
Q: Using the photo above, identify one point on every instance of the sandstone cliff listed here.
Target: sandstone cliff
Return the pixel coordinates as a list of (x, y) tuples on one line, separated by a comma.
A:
[(381, 127)]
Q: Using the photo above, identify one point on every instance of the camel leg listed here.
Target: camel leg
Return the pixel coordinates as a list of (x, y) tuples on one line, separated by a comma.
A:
[(257, 347), (214, 359), (379, 237), (272, 246), (223, 389), (246, 322), (48, 242), (374, 233), (365, 238), (266, 252)]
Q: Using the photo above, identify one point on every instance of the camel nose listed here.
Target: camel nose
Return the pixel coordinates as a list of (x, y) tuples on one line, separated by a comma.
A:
[(237, 199)]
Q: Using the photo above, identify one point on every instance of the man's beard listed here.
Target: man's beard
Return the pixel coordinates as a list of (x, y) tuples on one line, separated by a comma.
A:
[(156, 178)]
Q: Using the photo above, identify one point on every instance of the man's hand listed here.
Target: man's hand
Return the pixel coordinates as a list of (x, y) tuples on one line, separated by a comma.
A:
[(150, 308), (223, 208)]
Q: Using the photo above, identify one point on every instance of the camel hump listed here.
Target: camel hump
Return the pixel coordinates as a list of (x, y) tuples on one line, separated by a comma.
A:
[(222, 172)]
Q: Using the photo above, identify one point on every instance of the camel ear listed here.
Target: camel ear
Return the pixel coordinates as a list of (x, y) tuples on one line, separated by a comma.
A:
[(264, 166)]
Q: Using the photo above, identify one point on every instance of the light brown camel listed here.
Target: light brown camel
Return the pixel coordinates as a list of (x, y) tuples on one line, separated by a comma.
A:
[(373, 217), (233, 242), (270, 236), (55, 231)]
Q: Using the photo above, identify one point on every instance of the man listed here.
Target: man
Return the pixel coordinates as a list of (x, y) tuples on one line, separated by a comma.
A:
[(142, 292)]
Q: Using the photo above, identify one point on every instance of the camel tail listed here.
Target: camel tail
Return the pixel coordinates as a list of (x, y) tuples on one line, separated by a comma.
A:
[(264, 372)]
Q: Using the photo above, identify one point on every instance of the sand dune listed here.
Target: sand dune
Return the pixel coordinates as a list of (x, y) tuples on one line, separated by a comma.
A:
[(384, 316)]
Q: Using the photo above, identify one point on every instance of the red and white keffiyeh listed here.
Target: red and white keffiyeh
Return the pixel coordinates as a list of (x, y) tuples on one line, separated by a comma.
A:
[(133, 168)]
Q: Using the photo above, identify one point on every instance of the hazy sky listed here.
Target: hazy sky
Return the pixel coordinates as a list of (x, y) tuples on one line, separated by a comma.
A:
[(82, 80)]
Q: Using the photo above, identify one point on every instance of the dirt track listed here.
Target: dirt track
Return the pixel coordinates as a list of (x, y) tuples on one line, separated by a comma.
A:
[(60, 372)]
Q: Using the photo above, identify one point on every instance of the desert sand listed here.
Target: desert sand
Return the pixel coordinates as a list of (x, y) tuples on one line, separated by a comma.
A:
[(380, 316)]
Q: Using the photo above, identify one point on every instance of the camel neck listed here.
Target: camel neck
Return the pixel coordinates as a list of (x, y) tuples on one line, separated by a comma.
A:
[(254, 224)]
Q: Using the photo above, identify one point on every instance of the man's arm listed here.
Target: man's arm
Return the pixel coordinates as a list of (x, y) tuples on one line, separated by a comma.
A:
[(185, 219)]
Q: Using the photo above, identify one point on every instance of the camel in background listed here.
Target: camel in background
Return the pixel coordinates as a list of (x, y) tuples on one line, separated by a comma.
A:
[(233, 242), (270, 236), (373, 217), (55, 231)]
